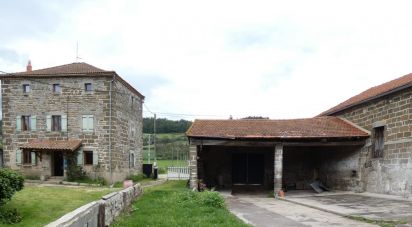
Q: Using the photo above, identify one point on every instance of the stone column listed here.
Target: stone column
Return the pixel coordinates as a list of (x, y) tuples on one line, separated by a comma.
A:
[(278, 168), (193, 166)]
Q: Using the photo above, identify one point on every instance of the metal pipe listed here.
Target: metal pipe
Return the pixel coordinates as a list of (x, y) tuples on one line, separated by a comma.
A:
[(110, 129)]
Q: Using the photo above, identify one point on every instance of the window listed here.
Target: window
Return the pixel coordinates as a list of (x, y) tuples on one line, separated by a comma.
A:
[(26, 157), (378, 141), (57, 88), (87, 123), (25, 123), (26, 88), (56, 123), (88, 87), (88, 157)]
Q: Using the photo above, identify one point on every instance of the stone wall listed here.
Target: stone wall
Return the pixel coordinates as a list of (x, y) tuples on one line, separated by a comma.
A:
[(102, 212), (392, 173)]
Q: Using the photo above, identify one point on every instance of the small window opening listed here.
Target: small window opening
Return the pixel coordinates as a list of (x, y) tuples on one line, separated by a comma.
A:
[(57, 88), (378, 142), (26, 88), (88, 157), (88, 87)]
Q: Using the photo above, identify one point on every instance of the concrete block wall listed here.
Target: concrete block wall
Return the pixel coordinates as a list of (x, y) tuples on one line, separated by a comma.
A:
[(100, 213), (392, 173)]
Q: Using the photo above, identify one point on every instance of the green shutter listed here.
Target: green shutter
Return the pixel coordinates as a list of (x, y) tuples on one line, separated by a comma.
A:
[(18, 123), (64, 123), (18, 157), (80, 157), (95, 158), (84, 122), (48, 123), (91, 122), (33, 123), (33, 158)]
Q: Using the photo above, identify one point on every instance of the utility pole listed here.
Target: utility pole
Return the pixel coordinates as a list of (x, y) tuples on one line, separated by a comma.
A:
[(149, 144), (154, 139)]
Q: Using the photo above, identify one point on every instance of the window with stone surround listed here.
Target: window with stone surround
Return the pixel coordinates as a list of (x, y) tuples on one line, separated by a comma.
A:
[(88, 157), (26, 157), (25, 123), (87, 123), (57, 88), (378, 142), (88, 87), (56, 123), (26, 88)]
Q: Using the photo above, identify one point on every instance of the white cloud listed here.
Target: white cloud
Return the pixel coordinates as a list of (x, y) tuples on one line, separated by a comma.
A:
[(282, 59)]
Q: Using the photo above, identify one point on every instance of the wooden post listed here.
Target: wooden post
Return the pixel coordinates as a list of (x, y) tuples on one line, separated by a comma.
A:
[(193, 166), (278, 168)]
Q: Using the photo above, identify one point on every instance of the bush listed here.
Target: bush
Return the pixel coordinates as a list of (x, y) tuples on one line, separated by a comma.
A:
[(10, 182), (75, 173), (9, 216), (136, 178), (212, 199)]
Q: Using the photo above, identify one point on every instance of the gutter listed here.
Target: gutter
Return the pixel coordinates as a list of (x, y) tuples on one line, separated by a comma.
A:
[(110, 128)]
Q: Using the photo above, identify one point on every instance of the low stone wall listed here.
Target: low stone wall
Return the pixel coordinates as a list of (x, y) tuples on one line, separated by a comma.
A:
[(100, 213)]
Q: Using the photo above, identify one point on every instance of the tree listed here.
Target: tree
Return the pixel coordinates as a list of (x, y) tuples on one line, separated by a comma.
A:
[(164, 125)]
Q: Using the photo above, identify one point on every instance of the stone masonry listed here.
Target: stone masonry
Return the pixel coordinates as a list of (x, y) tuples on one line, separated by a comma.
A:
[(392, 173), (74, 102)]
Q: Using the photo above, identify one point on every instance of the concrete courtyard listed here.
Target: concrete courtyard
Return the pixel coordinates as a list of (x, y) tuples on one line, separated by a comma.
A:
[(328, 209)]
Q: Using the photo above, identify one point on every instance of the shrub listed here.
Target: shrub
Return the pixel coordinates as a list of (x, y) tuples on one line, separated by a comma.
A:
[(9, 216), (212, 199), (136, 178), (75, 173), (10, 182)]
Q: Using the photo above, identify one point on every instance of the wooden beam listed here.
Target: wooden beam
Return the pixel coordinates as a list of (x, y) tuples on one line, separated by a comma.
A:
[(212, 142)]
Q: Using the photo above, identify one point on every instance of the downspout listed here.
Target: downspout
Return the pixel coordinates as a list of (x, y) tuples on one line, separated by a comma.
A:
[(110, 129)]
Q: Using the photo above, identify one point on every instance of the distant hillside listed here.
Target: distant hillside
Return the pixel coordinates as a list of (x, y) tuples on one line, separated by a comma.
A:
[(164, 125)]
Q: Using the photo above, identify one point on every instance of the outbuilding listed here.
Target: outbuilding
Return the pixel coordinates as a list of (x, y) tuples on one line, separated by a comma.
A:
[(263, 154)]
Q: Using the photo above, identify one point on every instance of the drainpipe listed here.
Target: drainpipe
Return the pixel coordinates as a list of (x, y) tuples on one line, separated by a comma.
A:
[(110, 129)]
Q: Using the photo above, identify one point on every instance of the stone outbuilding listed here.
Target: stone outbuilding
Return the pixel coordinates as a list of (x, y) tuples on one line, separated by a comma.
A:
[(275, 154), (362, 144), (78, 113)]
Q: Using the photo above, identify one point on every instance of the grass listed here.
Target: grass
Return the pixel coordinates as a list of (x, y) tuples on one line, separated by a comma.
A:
[(163, 206), (382, 223), (40, 205)]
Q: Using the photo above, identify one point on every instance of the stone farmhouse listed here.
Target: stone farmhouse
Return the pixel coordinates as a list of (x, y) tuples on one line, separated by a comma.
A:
[(74, 113), (362, 144)]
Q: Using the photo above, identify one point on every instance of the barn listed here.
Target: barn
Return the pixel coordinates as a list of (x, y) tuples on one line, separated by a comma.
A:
[(262, 154)]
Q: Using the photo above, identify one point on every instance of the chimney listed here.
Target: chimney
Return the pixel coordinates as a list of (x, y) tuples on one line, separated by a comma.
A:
[(29, 67)]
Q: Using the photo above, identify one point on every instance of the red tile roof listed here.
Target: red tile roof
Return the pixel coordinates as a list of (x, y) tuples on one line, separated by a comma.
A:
[(73, 69), (318, 127), (373, 93), (53, 145)]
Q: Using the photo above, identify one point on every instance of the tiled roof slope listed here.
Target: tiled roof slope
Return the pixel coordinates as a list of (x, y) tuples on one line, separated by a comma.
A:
[(318, 127), (73, 68), (372, 93), (53, 145)]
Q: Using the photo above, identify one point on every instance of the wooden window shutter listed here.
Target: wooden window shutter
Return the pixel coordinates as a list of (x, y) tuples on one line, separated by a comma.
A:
[(18, 157), (80, 157), (33, 158), (48, 123), (84, 123), (33, 123), (91, 123), (64, 123), (18, 123), (95, 158)]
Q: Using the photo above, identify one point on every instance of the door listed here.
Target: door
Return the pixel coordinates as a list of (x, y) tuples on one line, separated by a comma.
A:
[(248, 168), (58, 164)]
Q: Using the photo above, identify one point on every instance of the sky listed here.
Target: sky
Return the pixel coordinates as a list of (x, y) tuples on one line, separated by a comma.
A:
[(215, 59)]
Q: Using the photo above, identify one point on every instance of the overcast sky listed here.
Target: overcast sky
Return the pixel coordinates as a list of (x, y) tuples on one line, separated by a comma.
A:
[(280, 59)]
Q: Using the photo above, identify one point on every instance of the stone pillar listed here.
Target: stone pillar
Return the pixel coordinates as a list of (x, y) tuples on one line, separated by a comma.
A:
[(193, 166), (278, 168)]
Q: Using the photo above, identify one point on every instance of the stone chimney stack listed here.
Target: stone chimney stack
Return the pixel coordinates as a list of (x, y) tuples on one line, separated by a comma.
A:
[(29, 67)]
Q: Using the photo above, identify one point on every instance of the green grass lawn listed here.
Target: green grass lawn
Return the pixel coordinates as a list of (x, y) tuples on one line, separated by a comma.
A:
[(40, 205), (163, 206)]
